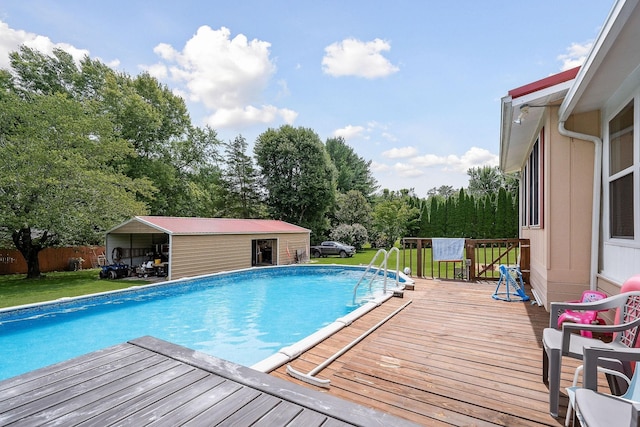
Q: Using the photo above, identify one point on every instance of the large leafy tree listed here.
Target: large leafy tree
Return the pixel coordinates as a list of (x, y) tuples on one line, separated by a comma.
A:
[(353, 208), (485, 180), (171, 152), (61, 180), (298, 177), (354, 172), (391, 220), (443, 191)]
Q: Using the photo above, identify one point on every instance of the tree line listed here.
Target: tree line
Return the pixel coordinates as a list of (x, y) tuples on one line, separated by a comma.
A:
[(85, 147)]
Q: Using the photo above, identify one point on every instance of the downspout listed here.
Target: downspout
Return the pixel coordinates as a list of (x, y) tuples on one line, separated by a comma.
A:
[(597, 183)]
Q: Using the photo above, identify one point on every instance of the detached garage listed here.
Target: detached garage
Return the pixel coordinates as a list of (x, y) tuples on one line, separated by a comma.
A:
[(185, 247)]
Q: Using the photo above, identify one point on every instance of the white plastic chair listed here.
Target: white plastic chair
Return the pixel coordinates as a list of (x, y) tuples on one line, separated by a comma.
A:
[(595, 409), (557, 342), (571, 391)]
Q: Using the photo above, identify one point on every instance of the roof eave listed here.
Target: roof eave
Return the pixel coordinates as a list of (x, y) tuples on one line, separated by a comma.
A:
[(515, 141), (615, 22), (505, 130)]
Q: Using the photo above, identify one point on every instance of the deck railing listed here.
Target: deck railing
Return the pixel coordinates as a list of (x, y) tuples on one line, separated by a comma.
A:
[(481, 262)]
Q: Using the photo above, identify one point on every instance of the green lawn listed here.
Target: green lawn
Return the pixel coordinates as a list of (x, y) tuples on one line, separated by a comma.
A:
[(16, 290), (362, 257)]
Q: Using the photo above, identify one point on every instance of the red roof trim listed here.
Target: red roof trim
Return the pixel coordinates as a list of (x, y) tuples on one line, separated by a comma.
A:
[(553, 80), (190, 225)]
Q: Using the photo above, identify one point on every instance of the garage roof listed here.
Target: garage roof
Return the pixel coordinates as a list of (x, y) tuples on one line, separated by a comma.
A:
[(186, 225)]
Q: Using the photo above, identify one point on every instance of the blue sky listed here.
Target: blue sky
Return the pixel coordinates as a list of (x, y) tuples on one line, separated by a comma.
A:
[(413, 86)]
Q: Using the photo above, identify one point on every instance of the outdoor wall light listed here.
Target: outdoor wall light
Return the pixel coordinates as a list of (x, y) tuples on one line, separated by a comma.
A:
[(524, 110)]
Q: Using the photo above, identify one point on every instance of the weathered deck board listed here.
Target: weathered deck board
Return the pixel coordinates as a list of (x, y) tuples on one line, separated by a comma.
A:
[(454, 356), (152, 382)]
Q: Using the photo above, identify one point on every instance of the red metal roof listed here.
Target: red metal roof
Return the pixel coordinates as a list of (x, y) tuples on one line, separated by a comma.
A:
[(184, 225), (553, 80)]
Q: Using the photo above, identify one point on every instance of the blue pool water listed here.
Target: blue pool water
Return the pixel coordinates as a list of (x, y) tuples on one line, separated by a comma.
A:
[(242, 316)]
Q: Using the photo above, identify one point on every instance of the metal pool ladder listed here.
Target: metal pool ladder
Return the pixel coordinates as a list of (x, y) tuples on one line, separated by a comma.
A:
[(382, 265)]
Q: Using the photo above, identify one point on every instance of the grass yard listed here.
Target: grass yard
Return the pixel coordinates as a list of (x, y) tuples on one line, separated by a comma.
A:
[(364, 257), (16, 290)]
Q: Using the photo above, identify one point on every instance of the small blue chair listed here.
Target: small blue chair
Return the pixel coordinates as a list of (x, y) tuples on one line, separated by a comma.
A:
[(511, 278)]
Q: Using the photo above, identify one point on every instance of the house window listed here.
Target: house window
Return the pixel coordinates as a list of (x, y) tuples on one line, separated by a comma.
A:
[(532, 187), (621, 174)]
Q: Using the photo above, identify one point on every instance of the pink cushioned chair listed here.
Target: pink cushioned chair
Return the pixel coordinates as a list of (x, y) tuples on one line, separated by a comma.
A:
[(584, 317)]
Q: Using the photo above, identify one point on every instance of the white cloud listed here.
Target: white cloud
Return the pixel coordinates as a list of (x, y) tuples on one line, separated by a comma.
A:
[(352, 57), (407, 170), (400, 153), (474, 157), (219, 71), (227, 75), (379, 167), (372, 130), (389, 137), (284, 91), (575, 56), (249, 115), (428, 160), (349, 132), (430, 170), (11, 40)]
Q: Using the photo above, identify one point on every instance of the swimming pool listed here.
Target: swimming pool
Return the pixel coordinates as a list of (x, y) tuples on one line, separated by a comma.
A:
[(246, 316)]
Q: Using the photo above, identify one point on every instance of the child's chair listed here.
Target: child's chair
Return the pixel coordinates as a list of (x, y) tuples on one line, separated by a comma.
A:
[(584, 317), (511, 278)]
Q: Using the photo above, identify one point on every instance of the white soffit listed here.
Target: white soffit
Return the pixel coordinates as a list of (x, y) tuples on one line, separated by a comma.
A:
[(614, 57)]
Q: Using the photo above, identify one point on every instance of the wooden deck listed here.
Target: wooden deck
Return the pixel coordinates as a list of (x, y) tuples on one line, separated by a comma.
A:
[(151, 382), (454, 356)]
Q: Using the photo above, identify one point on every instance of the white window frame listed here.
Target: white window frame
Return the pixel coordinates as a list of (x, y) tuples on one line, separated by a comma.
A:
[(533, 170), (633, 169)]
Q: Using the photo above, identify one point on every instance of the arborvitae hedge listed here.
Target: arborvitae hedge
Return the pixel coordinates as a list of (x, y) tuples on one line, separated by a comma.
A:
[(461, 215)]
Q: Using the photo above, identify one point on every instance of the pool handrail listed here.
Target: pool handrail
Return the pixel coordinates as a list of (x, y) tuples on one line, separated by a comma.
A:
[(397, 266), (383, 264)]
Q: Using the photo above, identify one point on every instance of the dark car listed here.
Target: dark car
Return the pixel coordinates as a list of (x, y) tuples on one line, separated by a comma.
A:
[(332, 248)]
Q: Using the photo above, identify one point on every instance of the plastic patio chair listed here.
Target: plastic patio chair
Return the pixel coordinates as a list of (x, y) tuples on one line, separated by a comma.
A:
[(584, 317), (571, 391), (598, 409), (558, 342)]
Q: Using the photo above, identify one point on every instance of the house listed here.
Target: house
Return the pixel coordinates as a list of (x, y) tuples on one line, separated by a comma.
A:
[(572, 138), (185, 247)]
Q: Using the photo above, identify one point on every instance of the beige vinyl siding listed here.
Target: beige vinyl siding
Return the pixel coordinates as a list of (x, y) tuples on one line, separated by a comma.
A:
[(135, 227), (293, 242), (193, 255), (560, 250)]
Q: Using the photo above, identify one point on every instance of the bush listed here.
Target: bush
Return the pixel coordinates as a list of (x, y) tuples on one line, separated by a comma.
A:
[(360, 236), (355, 235), (343, 233)]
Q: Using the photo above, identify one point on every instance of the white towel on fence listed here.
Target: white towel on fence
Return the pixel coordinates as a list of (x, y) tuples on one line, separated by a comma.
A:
[(447, 249)]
